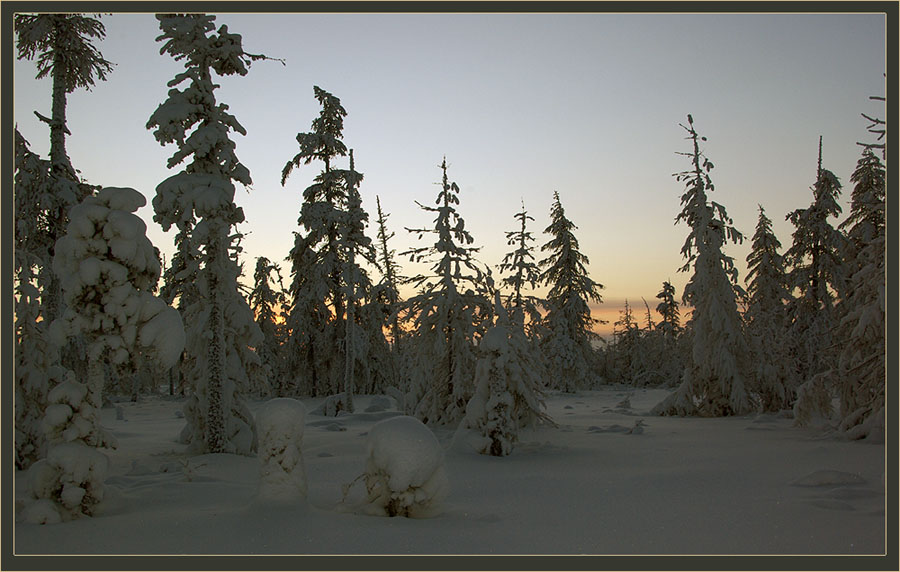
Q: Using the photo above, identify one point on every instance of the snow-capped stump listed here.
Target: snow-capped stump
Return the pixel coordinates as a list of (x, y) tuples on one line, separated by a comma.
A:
[(404, 473), (67, 484), (280, 424)]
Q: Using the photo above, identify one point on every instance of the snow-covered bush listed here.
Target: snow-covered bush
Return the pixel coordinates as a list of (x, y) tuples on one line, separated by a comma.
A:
[(67, 484), (280, 424), (492, 409), (70, 416), (404, 473)]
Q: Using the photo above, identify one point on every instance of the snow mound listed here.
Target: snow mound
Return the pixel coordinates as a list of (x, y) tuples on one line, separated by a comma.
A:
[(378, 404), (334, 405), (42, 511), (280, 424), (828, 478), (404, 468)]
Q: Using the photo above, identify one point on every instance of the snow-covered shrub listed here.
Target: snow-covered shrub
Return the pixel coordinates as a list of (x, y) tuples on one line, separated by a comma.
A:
[(67, 484), (404, 473), (492, 410), (508, 388), (280, 424)]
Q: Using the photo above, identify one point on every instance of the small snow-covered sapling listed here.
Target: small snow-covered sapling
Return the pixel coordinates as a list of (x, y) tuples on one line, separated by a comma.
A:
[(280, 424)]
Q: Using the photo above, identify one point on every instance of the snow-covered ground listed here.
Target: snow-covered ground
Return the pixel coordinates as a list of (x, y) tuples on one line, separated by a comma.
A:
[(746, 485)]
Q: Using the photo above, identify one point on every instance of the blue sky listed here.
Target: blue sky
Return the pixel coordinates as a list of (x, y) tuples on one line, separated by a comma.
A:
[(521, 105)]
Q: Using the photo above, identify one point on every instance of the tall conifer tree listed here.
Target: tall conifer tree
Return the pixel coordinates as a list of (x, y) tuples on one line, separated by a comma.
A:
[(63, 46), (568, 323), (201, 197), (524, 271), (391, 277), (449, 312), (817, 277), (715, 382), (861, 363), (765, 317)]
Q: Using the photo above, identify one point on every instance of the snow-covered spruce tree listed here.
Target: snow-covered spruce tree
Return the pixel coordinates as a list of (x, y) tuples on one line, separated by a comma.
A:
[(670, 325), (242, 332), (568, 336), (107, 266), (317, 304), (391, 277), (266, 303), (202, 196), (715, 380), (509, 392), (36, 359), (865, 222), (355, 246), (524, 272), (663, 357), (369, 363), (765, 318), (62, 45), (817, 277), (861, 364), (624, 352), (307, 317), (450, 310), (180, 289)]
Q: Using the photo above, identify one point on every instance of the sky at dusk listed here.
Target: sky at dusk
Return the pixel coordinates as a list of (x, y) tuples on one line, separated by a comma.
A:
[(521, 105)]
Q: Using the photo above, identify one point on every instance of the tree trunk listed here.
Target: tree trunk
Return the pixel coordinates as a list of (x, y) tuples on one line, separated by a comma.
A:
[(349, 356), (216, 438)]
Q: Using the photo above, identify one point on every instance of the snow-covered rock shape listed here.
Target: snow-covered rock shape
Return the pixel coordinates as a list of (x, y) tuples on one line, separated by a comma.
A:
[(404, 468), (282, 476)]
